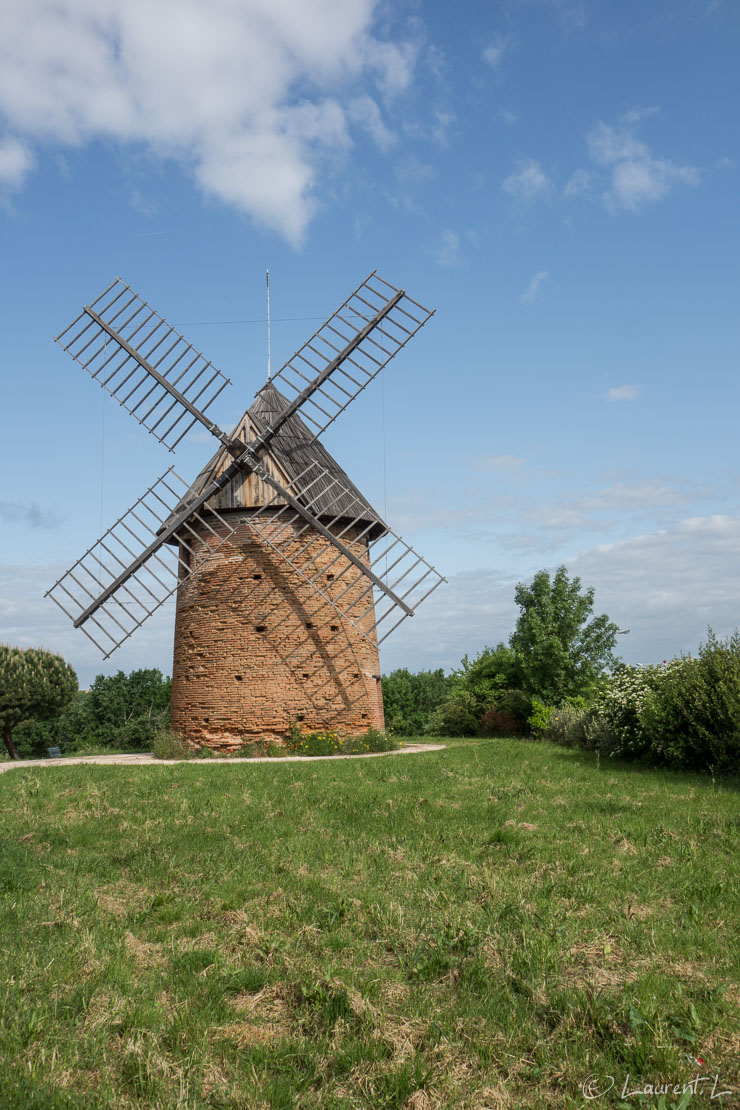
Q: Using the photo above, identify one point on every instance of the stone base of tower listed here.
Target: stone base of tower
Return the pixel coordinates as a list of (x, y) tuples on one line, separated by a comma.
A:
[(258, 650)]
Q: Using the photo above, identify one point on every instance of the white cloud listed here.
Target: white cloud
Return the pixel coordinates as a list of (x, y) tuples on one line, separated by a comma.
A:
[(507, 117), (638, 177), (536, 525), (493, 53), (665, 586), (392, 62), (473, 609), (447, 253), (535, 282), (436, 60), (411, 170), (636, 115), (13, 512), (578, 184), (499, 462), (28, 619), (443, 121), (364, 111), (623, 393), (668, 586), (212, 83), (16, 162), (528, 184)]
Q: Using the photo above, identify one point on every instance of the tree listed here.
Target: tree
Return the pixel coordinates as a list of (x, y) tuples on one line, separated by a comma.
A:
[(409, 699), (560, 651), (486, 676), (33, 683), (120, 711), (127, 709)]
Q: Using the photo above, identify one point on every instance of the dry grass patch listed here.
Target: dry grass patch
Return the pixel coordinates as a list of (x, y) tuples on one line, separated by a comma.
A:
[(245, 1033), (146, 954)]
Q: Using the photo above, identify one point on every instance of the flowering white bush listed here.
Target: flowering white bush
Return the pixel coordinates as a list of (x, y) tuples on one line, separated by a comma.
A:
[(618, 727)]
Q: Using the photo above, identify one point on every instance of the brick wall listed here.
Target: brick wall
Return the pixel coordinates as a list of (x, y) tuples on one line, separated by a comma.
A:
[(256, 648)]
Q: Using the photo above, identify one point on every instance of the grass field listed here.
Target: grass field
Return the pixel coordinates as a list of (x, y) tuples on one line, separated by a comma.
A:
[(485, 926)]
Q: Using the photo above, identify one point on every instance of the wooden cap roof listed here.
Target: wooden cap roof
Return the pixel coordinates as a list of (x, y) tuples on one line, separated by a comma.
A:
[(291, 451)]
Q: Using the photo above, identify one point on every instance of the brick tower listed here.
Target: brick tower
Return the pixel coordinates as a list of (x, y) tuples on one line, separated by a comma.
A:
[(258, 648)]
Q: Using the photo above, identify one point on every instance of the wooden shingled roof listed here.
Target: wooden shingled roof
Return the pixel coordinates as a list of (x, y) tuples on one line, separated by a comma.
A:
[(291, 451)]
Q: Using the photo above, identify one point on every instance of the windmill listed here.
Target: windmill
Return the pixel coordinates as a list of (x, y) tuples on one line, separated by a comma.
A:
[(286, 578)]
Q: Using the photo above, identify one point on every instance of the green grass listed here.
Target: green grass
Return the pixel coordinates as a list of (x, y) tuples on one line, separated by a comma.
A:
[(484, 926)]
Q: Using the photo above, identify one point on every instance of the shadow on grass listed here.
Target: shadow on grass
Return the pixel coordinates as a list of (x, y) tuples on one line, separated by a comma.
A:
[(627, 767)]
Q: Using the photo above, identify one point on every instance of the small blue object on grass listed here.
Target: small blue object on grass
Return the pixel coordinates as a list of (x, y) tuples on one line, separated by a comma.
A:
[(54, 753)]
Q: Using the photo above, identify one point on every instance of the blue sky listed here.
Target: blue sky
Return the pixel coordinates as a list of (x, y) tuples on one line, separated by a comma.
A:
[(558, 179)]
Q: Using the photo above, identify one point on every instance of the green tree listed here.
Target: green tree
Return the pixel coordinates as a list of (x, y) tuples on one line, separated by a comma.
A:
[(127, 709), (409, 699), (33, 683), (487, 676), (119, 711), (561, 649)]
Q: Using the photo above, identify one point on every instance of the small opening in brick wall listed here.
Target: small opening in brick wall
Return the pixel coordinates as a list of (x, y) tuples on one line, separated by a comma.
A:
[(309, 624), (256, 577), (329, 577), (334, 627), (238, 677), (306, 674), (259, 628), (364, 716), (355, 676), (300, 716)]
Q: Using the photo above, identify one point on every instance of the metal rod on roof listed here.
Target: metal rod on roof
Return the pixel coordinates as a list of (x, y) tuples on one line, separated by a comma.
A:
[(269, 369)]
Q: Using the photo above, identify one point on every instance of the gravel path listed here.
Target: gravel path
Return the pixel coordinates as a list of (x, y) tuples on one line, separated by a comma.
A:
[(139, 758)]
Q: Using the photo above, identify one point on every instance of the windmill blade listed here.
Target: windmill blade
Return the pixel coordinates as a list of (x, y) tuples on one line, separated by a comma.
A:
[(375, 592), (131, 571), (148, 367), (347, 352)]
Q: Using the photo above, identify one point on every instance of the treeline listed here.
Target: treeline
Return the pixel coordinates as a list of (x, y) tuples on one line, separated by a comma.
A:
[(683, 714), (483, 697), (557, 651), (118, 711)]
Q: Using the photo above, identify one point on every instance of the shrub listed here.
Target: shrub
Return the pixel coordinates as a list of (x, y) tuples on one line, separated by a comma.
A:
[(459, 716), (497, 722), (258, 749), (684, 714), (618, 728), (329, 742), (566, 725), (167, 744), (539, 716), (692, 715), (508, 715), (127, 710)]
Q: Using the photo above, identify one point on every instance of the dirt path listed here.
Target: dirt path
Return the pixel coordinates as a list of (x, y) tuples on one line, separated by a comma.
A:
[(139, 758)]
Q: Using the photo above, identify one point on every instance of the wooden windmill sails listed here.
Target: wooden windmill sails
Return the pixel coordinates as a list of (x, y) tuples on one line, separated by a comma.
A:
[(168, 386)]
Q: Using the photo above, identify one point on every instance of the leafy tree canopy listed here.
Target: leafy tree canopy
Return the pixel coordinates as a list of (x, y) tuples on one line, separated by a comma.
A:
[(494, 670), (561, 649), (119, 711), (33, 683), (408, 699)]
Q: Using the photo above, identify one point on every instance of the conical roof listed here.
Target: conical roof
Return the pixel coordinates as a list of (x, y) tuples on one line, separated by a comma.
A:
[(290, 452)]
